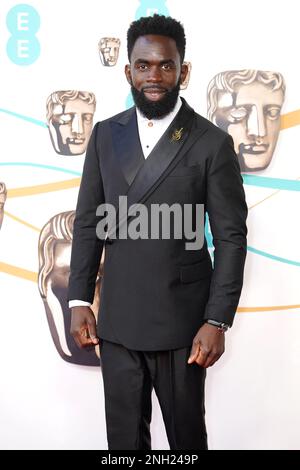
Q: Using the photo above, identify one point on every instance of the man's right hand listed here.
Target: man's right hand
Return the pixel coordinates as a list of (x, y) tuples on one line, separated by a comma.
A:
[(83, 327)]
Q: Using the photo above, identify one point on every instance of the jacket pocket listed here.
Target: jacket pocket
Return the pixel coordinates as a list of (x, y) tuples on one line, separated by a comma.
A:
[(186, 171), (195, 272)]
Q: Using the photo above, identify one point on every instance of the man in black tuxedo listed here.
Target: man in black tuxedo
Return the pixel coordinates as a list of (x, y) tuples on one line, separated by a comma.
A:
[(163, 309)]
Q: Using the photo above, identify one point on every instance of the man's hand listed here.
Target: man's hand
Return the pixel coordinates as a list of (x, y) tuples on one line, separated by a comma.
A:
[(83, 327), (208, 346)]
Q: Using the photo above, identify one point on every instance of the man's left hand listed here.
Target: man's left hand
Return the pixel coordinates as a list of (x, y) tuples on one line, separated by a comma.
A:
[(208, 346)]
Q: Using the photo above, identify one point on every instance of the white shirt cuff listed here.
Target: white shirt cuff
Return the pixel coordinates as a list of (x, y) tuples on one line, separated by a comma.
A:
[(79, 303)]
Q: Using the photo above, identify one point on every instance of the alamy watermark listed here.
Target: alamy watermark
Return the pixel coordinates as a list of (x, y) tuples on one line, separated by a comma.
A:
[(166, 221)]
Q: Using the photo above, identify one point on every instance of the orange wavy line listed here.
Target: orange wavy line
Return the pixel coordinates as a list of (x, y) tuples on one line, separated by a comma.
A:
[(267, 309), (18, 272), (43, 188), (290, 119), (32, 276), (21, 221), (287, 120)]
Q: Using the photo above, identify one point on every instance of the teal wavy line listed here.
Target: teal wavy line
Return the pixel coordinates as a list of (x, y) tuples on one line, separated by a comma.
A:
[(261, 181), (274, 183), (273, 257), (25, 118), (63, 170), (39, 165), (251, 180)]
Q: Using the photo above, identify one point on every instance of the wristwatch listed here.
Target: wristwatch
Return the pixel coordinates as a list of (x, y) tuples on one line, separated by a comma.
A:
[(220, 325)]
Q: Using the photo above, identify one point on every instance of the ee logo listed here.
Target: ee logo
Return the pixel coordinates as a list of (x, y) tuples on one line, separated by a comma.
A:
[(23, 22)]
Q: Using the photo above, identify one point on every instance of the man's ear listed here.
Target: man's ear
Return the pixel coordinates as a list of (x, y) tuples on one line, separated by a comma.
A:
[(128, 73), (184, 72)]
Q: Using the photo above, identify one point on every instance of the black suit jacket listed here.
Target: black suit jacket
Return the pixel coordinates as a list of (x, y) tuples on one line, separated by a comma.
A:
[(155, 294)]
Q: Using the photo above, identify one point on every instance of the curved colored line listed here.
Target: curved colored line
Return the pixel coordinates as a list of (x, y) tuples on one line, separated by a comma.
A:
[(249, 248), (43, 188), (21, 221), (274, 183), (61, 185), (267, 309), (262, 181), (264, 199), (252, 180), (273, 257), (32, 276), (290, 119), (18, 272), (45, 167), (267, 197), (25, 118)]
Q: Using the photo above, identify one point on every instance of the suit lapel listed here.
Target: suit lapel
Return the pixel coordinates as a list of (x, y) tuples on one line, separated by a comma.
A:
[(126, 144), (171, 147)]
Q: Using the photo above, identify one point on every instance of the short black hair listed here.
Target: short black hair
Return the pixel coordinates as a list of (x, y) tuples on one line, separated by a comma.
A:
[(160, 25)]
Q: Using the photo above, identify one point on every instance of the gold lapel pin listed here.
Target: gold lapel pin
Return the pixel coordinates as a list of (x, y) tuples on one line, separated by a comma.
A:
[(177, 134)]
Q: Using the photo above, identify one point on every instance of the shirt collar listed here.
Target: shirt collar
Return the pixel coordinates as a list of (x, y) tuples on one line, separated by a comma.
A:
[(162, 121)]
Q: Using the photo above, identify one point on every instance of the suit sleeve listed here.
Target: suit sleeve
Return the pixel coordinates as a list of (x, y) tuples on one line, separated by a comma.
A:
[(227, 211), (86, 246)]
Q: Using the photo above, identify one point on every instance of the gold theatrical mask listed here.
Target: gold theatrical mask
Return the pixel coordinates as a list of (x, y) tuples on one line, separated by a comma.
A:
[(247, 104), (54, 269), (109, 51), (70, 120)]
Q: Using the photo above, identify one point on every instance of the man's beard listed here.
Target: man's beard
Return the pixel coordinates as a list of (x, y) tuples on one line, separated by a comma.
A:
[(155, 109)]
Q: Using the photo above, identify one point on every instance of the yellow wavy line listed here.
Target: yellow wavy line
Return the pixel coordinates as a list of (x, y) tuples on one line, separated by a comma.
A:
[(18, 272), (21, 221), (43, 188), (32, 276), (267, 309), (263, 200), (287, 120), (270, 195), (290, 119)]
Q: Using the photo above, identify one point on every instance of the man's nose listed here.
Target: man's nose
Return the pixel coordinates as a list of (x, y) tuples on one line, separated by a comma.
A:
[(154, 75), (256, 122), (77, 124)]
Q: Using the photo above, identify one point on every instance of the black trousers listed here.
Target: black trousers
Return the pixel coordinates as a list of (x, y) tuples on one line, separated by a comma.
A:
[(129, 377)]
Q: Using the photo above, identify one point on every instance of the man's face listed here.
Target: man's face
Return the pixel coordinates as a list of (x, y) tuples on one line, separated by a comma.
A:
[(155, 73), (2, 202), (109, 51), (252, 117), (72, 124)]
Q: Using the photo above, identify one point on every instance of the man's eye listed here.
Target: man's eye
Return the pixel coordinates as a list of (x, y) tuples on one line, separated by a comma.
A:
[(273, 113), (142, 66), (166, 66)]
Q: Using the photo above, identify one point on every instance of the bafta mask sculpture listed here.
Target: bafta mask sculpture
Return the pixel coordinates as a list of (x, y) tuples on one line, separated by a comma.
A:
[(247, 104), (54, 268), (70, 120), (109, 51)]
